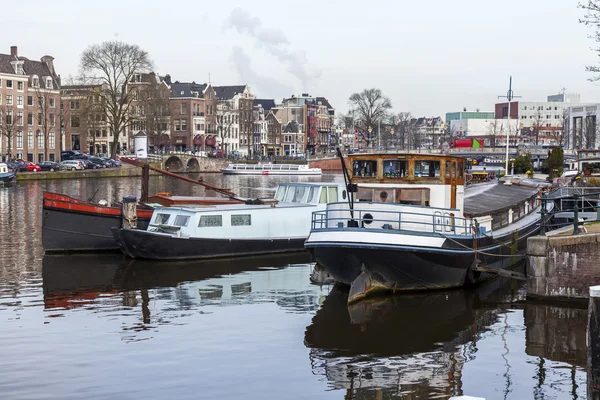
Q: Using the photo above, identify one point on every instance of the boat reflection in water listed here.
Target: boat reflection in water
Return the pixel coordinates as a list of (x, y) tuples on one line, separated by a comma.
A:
[(404, 345), (74, 281)]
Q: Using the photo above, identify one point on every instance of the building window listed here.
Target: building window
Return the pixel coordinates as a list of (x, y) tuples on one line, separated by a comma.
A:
[(20, 118), (51, 140), (40, 141), (183, 108), (20, 86), (9, 84), (9, 100), (176, 123), (29, 100), (19, 139), (19, 101), (51, 101), (184, 125), (9, 117), (29, 119), (30, 139), (210, 220), (51, 119), (74, 105), (48, 83), (35, 81), (74, 122)]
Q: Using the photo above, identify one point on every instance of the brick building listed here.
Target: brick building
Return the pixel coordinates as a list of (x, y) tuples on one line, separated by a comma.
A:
[(29, 108)]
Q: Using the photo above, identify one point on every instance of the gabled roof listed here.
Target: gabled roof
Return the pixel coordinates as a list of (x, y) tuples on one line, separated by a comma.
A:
[(30, 68), (266, 104), (227, 92), (185, 89)]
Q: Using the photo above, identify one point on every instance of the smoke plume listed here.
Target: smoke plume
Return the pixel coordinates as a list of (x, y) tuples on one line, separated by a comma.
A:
[(275, 43)]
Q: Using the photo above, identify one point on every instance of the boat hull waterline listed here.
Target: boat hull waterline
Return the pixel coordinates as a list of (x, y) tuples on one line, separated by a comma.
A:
[(391, 267), (140, 244)]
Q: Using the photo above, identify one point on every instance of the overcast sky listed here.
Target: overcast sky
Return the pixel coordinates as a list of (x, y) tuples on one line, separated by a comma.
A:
[(428, 56)]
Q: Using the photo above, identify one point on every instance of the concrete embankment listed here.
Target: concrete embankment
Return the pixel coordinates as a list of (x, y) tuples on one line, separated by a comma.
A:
[(563, 267), (124, 171)]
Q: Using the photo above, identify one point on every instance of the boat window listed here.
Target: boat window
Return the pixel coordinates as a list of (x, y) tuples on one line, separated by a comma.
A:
[(313, 194), (323, 197), (243, 219), (364, 168), (447, 169), (418, 197), (161, 219), (332, 194), (295, 194), (500, 220), (460, 170), (395, 168), (589, 168), (516, 215), (427, 169), (210, 220), (181, 220), (280, 194), (522, 211)]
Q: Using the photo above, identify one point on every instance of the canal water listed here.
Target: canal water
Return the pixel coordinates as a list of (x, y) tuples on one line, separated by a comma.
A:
[(105, 327)]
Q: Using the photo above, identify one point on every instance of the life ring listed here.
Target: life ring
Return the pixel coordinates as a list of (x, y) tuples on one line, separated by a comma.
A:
[(165, 194)]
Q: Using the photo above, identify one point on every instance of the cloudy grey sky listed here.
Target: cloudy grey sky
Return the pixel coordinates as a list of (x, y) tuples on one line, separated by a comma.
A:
[(428, 56)]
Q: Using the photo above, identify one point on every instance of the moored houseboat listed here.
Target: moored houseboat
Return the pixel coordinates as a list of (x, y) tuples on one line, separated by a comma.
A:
[(270, 169), (195, 232), (409, 224)]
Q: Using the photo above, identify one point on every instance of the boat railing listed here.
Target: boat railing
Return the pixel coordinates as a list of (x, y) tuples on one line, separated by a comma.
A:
[(439, 221), (569, 206)]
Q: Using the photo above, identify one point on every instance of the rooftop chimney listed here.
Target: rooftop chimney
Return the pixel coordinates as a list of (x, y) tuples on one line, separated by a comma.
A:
[(49, 61), (13, 51)]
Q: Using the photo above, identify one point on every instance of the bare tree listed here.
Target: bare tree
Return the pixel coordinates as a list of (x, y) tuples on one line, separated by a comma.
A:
[(589, 130), (113, 64), (371, 108), (495, 129), (7, 127), (224, 121), (404, 129), (592, 18), (537, 124)]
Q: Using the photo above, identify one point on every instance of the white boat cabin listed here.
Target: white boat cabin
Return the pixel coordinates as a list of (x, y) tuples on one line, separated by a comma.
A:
[(271, 169), (288, 217), (3, 168)]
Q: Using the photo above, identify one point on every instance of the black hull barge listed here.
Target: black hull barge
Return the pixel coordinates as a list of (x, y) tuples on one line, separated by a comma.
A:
[(420, 229)]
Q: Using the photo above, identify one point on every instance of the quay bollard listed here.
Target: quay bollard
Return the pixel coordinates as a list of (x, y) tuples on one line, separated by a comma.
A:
[(593, 344), (129, 212)]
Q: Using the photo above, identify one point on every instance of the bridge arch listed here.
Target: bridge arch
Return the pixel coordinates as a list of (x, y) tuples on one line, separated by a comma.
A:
[(174, 164), (193, 165)]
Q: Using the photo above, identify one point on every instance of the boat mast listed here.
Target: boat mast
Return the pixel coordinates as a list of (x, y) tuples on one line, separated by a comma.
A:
[(351, 188), (509, 96)]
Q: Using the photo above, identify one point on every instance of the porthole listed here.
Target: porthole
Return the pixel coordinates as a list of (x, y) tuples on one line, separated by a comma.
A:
[(383, 196), (367, 219)]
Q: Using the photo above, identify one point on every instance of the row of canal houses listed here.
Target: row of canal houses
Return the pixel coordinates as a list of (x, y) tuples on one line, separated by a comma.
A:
[(201, 118), (40, 116)]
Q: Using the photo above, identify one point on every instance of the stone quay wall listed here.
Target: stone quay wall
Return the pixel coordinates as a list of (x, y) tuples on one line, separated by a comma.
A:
[(563, 267)]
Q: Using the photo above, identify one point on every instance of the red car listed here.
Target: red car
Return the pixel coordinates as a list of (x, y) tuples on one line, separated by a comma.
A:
[(28, 166)]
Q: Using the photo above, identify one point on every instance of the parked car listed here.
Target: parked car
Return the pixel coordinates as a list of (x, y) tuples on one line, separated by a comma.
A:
[(71, 165), (111, 162), (89, 164), (217, 153), (99, 162), (68, 155), (49, 166), (25, 165)]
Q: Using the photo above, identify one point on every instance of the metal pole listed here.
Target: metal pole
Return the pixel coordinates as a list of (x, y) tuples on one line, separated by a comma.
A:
[(543, 216), (508, 130), (379, 135), (575, 215)]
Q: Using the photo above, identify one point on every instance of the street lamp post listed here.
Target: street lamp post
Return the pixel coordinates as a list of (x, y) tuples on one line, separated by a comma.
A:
[(392, 134), (369, 129)]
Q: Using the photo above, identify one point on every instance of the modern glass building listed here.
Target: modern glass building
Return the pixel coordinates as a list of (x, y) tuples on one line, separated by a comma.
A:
[(452, 116)]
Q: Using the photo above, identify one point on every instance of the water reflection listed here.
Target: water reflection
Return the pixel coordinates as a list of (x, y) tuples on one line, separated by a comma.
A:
[(408, 345)]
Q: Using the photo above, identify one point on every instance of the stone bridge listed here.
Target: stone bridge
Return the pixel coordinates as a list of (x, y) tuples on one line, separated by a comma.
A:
[(188, 163)]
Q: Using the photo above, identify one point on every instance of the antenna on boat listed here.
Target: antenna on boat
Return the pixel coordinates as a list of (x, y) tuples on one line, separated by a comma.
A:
[(509, 96), (351, 188)]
